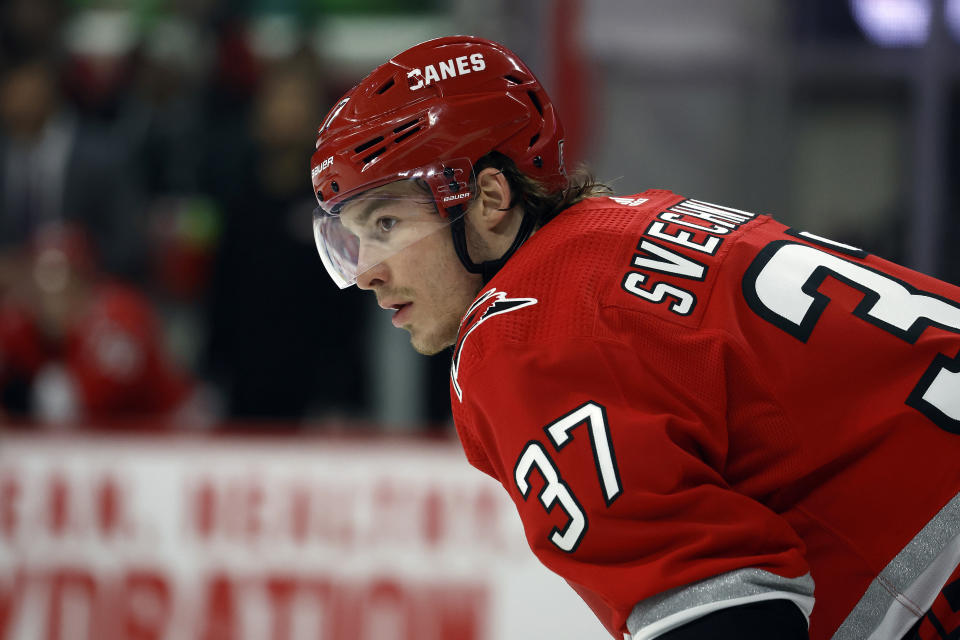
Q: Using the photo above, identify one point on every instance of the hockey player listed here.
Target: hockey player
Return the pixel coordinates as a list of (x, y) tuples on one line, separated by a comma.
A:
[(712, 425)]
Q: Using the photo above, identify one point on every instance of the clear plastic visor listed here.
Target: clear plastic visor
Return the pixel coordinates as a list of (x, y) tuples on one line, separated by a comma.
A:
[(365, 230)]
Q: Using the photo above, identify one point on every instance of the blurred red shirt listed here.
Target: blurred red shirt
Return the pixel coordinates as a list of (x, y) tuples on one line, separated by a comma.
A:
[(111, 352)]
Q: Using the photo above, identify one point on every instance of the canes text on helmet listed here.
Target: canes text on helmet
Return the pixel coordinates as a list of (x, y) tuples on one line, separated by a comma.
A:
[(419, 78)]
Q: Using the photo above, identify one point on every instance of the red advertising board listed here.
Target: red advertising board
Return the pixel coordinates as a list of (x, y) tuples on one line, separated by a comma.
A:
[(234, 538)]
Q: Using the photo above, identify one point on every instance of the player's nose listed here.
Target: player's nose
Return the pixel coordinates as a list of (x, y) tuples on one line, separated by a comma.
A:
[(373, 277)]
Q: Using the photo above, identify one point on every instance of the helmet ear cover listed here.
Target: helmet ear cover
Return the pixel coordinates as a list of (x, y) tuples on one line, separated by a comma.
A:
[(452, 187)]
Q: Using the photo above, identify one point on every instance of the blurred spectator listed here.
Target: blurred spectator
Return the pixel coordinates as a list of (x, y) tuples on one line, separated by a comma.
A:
[(55, 167), (75, 344), (280, 345), (163, 116)]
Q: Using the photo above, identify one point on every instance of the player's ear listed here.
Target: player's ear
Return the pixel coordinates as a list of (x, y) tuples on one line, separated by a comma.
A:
[(493, 195)]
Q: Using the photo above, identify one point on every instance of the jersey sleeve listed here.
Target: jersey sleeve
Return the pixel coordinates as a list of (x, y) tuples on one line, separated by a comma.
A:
[(616, 469)]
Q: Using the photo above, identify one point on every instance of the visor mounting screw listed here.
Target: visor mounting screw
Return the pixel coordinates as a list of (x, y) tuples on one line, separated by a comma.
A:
[(537, 162), (335, 187), (448, 172), (319, 195)]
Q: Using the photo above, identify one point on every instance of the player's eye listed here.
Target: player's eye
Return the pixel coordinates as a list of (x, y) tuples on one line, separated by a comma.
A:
[(386, 223)]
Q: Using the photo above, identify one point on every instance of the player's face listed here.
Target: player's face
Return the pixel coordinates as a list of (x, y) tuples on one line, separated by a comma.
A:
[(423, 284)]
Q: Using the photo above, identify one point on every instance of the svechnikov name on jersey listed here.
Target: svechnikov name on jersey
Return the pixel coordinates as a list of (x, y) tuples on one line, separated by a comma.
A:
[(665, 249)]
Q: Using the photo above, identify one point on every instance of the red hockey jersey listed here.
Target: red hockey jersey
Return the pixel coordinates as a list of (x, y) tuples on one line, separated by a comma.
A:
[(695, 407)]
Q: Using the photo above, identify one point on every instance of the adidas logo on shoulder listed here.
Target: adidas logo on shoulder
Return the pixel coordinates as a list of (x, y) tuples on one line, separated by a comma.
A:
[(629, 202)]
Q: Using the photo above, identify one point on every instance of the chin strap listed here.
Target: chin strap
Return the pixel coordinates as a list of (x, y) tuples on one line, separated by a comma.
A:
[(488, 268)]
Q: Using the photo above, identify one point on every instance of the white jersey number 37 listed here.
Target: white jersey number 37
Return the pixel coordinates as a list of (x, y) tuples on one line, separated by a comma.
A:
[(781, 287), (555, 490)]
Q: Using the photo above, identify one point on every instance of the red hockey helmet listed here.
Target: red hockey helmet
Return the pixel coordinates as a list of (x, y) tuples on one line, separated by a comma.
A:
[(429, 113)]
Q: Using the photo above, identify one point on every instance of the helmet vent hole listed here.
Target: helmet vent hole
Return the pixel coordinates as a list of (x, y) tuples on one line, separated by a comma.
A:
[(373, 155), (369, 143), (406, 135), (534, 139), (409, 123), (536, 102), (386, 86), (512, 79)]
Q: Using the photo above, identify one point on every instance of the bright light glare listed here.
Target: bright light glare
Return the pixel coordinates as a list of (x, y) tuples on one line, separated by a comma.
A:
[(893, 23), (901, 23)]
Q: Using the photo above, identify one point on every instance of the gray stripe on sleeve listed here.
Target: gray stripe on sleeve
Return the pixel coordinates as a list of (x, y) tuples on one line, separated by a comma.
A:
[(676, 607), (890, 587)]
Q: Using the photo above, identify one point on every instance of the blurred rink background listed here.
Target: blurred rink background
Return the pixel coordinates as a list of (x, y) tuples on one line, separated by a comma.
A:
[(201, 438)]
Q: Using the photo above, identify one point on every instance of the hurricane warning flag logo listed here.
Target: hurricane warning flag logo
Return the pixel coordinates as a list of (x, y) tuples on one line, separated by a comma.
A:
[(489, 304)]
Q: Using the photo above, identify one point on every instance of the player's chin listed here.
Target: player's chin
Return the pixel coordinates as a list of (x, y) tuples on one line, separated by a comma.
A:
[(426, 348), (429, 344)]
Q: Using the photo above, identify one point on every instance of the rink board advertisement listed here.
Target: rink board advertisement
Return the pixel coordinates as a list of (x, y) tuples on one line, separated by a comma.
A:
[(230, 538)]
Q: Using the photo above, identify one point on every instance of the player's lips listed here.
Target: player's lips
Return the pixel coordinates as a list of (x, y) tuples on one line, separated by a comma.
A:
[(401, 310), (402, 313)]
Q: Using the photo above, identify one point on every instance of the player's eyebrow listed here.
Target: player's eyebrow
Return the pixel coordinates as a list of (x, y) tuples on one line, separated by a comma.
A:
[(360, 220)]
